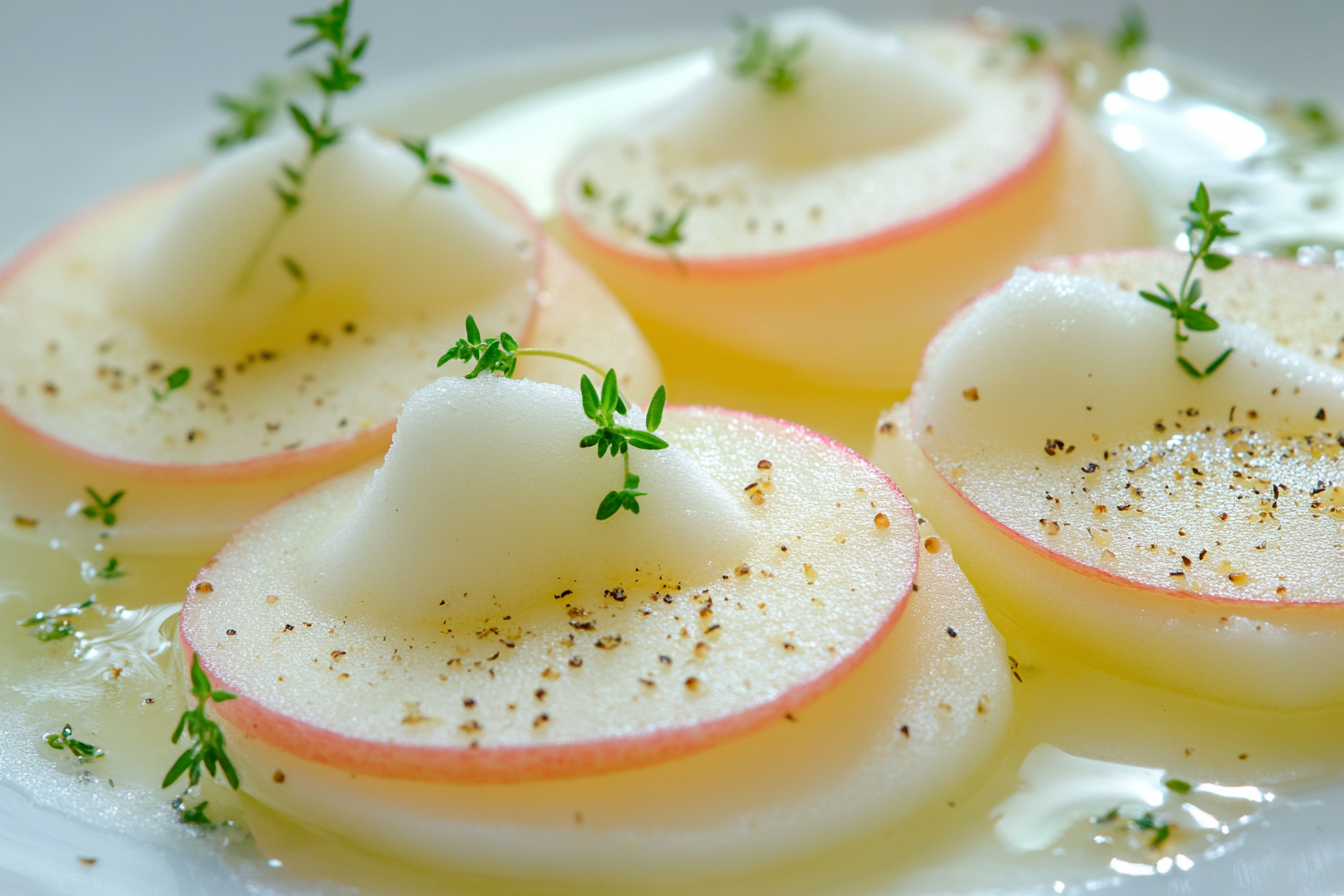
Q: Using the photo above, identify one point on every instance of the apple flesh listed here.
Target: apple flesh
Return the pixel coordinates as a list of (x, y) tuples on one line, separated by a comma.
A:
[(1176, 531), (916, 725), (188, 481), (852, 285)]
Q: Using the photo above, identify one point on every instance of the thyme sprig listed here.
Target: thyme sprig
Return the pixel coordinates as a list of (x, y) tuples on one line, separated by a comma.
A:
[(1316, 117), (250, 116), (207, 748), (1132, 33), (500, 355), (112, 570), (435, 166), (666, 231), (758, 57), (1032, 41), (101, 508), (63, 740), (491, 355), (1146, 822), (618, 439), (1204, 226), (330, 29), (194, 815), (55, 624), (174, 381)]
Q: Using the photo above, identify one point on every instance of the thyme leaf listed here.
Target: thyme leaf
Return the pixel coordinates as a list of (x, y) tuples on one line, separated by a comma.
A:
[(1132, 33), (757, 56), (250, 116), (435, 166), (1148, 822), (55, 624), (174, 381), (207, 748), (101, 508), (1319, 122), (112, 570), (1030, 40), (194, 815), (63, 740), (666, 232)]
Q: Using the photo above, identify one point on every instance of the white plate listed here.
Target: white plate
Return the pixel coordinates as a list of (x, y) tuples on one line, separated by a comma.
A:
[(1300, 849)]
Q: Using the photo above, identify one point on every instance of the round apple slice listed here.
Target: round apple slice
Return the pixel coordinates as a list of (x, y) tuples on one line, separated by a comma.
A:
[(1181, 531), (289, 382), (463, 616), (915, 726), (831, 227)]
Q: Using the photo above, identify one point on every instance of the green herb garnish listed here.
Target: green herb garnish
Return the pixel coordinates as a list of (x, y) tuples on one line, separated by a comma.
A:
[(1132, 33), (1145, 822), (666, 232), (329, 29), (1108, 817), (101, 508), (249, 116), (294, 270), (1316, 116), (174, 381), (757, 57), (81, 750), (1176, 785), (55, 624), (500, 355), (194, 815), (1203, 227), (111, 571), (339, 77), (435, 171), (207, 748), (1161, 830), (617, 439), (1030, 40)]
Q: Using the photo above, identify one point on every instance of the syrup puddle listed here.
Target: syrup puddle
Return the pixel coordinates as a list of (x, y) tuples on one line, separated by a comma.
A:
[(133, 642)]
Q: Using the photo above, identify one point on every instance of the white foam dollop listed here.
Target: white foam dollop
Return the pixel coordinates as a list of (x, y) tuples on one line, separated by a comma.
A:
[(1059, 789), (369, 234), (859, 92), (486, 500), (1086, 362)]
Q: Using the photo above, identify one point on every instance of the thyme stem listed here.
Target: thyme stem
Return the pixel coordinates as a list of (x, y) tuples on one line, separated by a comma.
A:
[(548, 353)]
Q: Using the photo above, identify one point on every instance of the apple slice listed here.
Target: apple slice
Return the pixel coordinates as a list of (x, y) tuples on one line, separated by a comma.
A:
[(85, 341), (915, 726), (832, 227), (766, 563), (1180, 531)]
